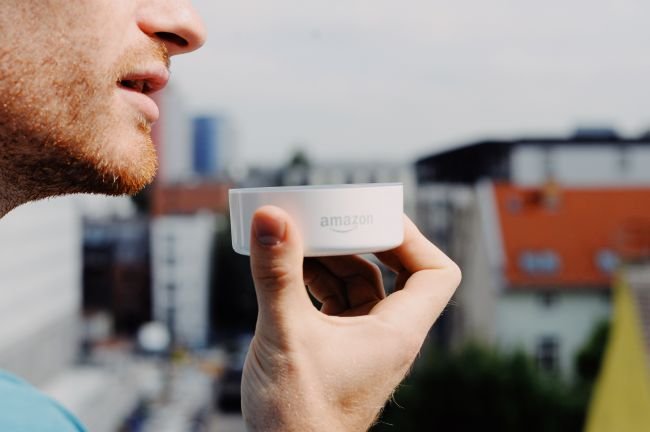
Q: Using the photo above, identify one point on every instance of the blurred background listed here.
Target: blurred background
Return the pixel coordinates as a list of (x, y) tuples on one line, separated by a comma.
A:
[(521, 133)]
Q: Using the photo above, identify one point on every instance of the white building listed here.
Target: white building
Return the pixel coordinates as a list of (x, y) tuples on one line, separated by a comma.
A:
[(582, 164), (181, 267), (172, 135)]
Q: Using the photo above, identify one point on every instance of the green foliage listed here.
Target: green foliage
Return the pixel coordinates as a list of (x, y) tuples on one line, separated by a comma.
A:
[(477, 388), (590, 356), (299, 159)]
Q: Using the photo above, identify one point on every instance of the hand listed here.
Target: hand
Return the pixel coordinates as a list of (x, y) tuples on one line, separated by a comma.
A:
[(333, 370)]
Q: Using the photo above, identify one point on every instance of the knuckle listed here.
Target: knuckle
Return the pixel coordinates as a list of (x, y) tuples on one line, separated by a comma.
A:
[(455, 273), (273, 273), (409, 342), (374, 272), (311, 278), (411, 345)]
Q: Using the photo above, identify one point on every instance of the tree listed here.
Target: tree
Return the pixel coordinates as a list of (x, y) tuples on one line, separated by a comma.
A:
[(590, 356), (477, 388)]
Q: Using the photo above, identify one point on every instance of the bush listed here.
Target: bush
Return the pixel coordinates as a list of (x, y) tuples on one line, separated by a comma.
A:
[(477, 388)]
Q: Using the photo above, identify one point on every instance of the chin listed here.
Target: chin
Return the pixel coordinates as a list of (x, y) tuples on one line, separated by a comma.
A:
[(133, 171), (124, 165)]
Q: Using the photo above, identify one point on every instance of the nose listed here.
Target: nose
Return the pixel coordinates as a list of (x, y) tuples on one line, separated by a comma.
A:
[(174, 22)]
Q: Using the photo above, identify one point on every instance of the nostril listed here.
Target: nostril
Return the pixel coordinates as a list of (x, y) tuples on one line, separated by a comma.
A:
[(173, 38)]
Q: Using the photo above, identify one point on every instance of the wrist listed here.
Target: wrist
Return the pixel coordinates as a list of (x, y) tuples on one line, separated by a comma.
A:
[(285, 413), (278, 410)]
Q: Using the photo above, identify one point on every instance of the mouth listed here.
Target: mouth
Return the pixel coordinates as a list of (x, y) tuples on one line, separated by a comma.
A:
[(139, 84), (145, 81)]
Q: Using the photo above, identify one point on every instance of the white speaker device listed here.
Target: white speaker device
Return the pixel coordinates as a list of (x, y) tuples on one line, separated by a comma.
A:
[(333, 220)]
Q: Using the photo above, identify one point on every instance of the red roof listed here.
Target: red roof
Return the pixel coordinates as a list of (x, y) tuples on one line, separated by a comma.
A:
[(561, 237), (189, 198)]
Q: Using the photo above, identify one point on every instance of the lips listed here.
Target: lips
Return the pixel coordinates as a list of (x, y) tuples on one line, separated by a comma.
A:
[(146, 81), (137, 85)]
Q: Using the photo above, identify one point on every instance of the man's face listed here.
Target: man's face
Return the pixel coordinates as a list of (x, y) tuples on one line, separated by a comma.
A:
[(75, 115)]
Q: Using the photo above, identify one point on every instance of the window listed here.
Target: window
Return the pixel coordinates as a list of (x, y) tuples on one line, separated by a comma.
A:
[(548, 299), (514, 204), (547, 353), (170, 255), (606, 261), (545, 262)]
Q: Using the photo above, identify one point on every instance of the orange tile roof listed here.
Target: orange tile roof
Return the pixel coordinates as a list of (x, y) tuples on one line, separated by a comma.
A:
[(556, 237), (189, 198)]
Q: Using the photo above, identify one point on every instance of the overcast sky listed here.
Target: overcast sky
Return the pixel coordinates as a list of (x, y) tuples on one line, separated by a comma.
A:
[(379, 79)]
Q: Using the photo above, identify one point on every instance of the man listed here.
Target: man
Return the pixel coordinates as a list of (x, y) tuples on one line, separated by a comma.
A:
[(75, 116)]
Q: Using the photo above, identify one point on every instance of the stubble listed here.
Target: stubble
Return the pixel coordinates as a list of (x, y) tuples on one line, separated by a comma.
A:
[(60, 130)]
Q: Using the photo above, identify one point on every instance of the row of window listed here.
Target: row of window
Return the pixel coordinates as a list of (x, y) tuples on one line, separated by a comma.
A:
[(548, 262)]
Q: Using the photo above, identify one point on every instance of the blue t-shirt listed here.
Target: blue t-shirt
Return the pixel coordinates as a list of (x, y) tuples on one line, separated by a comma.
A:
[(25, 409)]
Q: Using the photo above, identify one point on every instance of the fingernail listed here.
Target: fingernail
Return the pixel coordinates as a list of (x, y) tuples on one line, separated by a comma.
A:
[(268, 231)]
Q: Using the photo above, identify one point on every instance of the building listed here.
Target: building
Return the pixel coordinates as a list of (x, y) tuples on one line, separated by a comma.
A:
[(172, 135), (185, 220), (182, 247), (186, 205), (189, 198), (538, 227), (116, 271), (191, 148), (212, 147), (587, 158)]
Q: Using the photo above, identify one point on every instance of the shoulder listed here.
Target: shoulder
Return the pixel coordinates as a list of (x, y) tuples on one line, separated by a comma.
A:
[(26, 409), (7, 378)]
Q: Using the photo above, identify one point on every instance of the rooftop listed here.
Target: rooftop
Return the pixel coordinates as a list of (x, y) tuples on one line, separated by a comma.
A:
[(570, 237), (471, 162), (168, 199)]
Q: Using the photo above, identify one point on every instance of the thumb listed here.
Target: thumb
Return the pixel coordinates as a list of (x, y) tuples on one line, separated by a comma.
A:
[(276, 264)]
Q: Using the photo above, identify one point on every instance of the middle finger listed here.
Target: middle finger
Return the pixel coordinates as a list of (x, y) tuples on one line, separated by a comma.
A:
[(362, 278)]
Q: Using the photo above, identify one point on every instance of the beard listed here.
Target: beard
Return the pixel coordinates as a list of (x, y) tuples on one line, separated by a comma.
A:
[(62, 130)]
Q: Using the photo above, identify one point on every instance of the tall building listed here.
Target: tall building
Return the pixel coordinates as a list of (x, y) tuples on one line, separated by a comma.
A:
[(187, 202), (172, 135), (182, 248), (206, 143), (212, 147)]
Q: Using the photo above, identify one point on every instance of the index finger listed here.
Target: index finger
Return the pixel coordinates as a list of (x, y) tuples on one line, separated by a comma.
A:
[(432, 279), (416, 253)]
